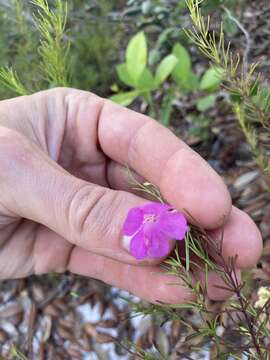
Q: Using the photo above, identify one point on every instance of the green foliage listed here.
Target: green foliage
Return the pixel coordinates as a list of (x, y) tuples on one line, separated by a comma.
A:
[(206, 102), (211, 79), (17, 354), (78, 51), (165, 68), (50, 65), (142, 354), (145, 80), (135, 73), (16, 46), (51, 60), (125, 98), (199, 125), (95, 41), (251, 101), (53, 49), (241, 315), (10, 79), (249, 319), (167, 107), (136, 57), (183, 74)]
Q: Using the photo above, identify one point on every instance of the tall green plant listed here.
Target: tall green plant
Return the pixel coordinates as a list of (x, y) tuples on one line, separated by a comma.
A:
[(51, 66), (53, 48), (250, 100)]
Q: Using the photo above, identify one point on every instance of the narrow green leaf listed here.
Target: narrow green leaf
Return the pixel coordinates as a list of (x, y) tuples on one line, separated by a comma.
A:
[(212, 78), (206, 102), (187, 252), (125, 98), (136, 56), (9, 78), (123, 75), (166, 108), (165, 68)]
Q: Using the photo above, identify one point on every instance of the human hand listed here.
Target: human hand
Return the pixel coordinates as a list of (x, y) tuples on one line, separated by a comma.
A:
[(65, 194)]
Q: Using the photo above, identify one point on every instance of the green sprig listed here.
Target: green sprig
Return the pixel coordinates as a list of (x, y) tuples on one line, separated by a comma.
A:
[(54, 48)]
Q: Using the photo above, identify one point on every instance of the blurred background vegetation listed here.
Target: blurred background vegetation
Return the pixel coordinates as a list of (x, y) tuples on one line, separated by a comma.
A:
[(95, 38), (98, 32)]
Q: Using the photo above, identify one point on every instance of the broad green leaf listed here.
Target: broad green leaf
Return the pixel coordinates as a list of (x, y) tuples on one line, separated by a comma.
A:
[(136, 56), (206, 102), (165, 68), (146, 81), (190, 83), (125, 98), (123, 74), (183, 68), (212, 78)]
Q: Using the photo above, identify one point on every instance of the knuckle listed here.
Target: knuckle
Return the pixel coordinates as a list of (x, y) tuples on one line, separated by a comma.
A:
[(81, 208), (74, 98), (106, 215), (91, 214), (59, 90), (134, 144)]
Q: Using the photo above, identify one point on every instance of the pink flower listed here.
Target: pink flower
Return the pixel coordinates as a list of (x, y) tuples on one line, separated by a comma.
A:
[(150, 227)]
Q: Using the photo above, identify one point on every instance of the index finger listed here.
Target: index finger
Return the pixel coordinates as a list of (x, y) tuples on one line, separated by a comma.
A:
[(186, 180)]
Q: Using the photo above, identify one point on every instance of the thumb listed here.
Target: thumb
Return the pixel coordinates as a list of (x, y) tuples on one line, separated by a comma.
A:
[(37, 188)]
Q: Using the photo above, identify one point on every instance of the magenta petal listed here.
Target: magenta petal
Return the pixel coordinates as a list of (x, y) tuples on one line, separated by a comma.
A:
[(133, 221), (159, 247), (154, 208), (173, 224), (137, 246)]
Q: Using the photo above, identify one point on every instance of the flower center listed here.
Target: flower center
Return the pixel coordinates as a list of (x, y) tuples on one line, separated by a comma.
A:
[(150, 218)]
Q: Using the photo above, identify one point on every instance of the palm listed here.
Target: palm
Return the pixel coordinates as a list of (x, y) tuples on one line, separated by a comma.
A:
[(31, 246)]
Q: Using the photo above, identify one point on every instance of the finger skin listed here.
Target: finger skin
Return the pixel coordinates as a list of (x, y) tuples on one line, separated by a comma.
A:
[(149, 283), (241, 238), (87, 124), (146, 282), (184, 178), (120, 177), (85, 214), (52, 253)]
